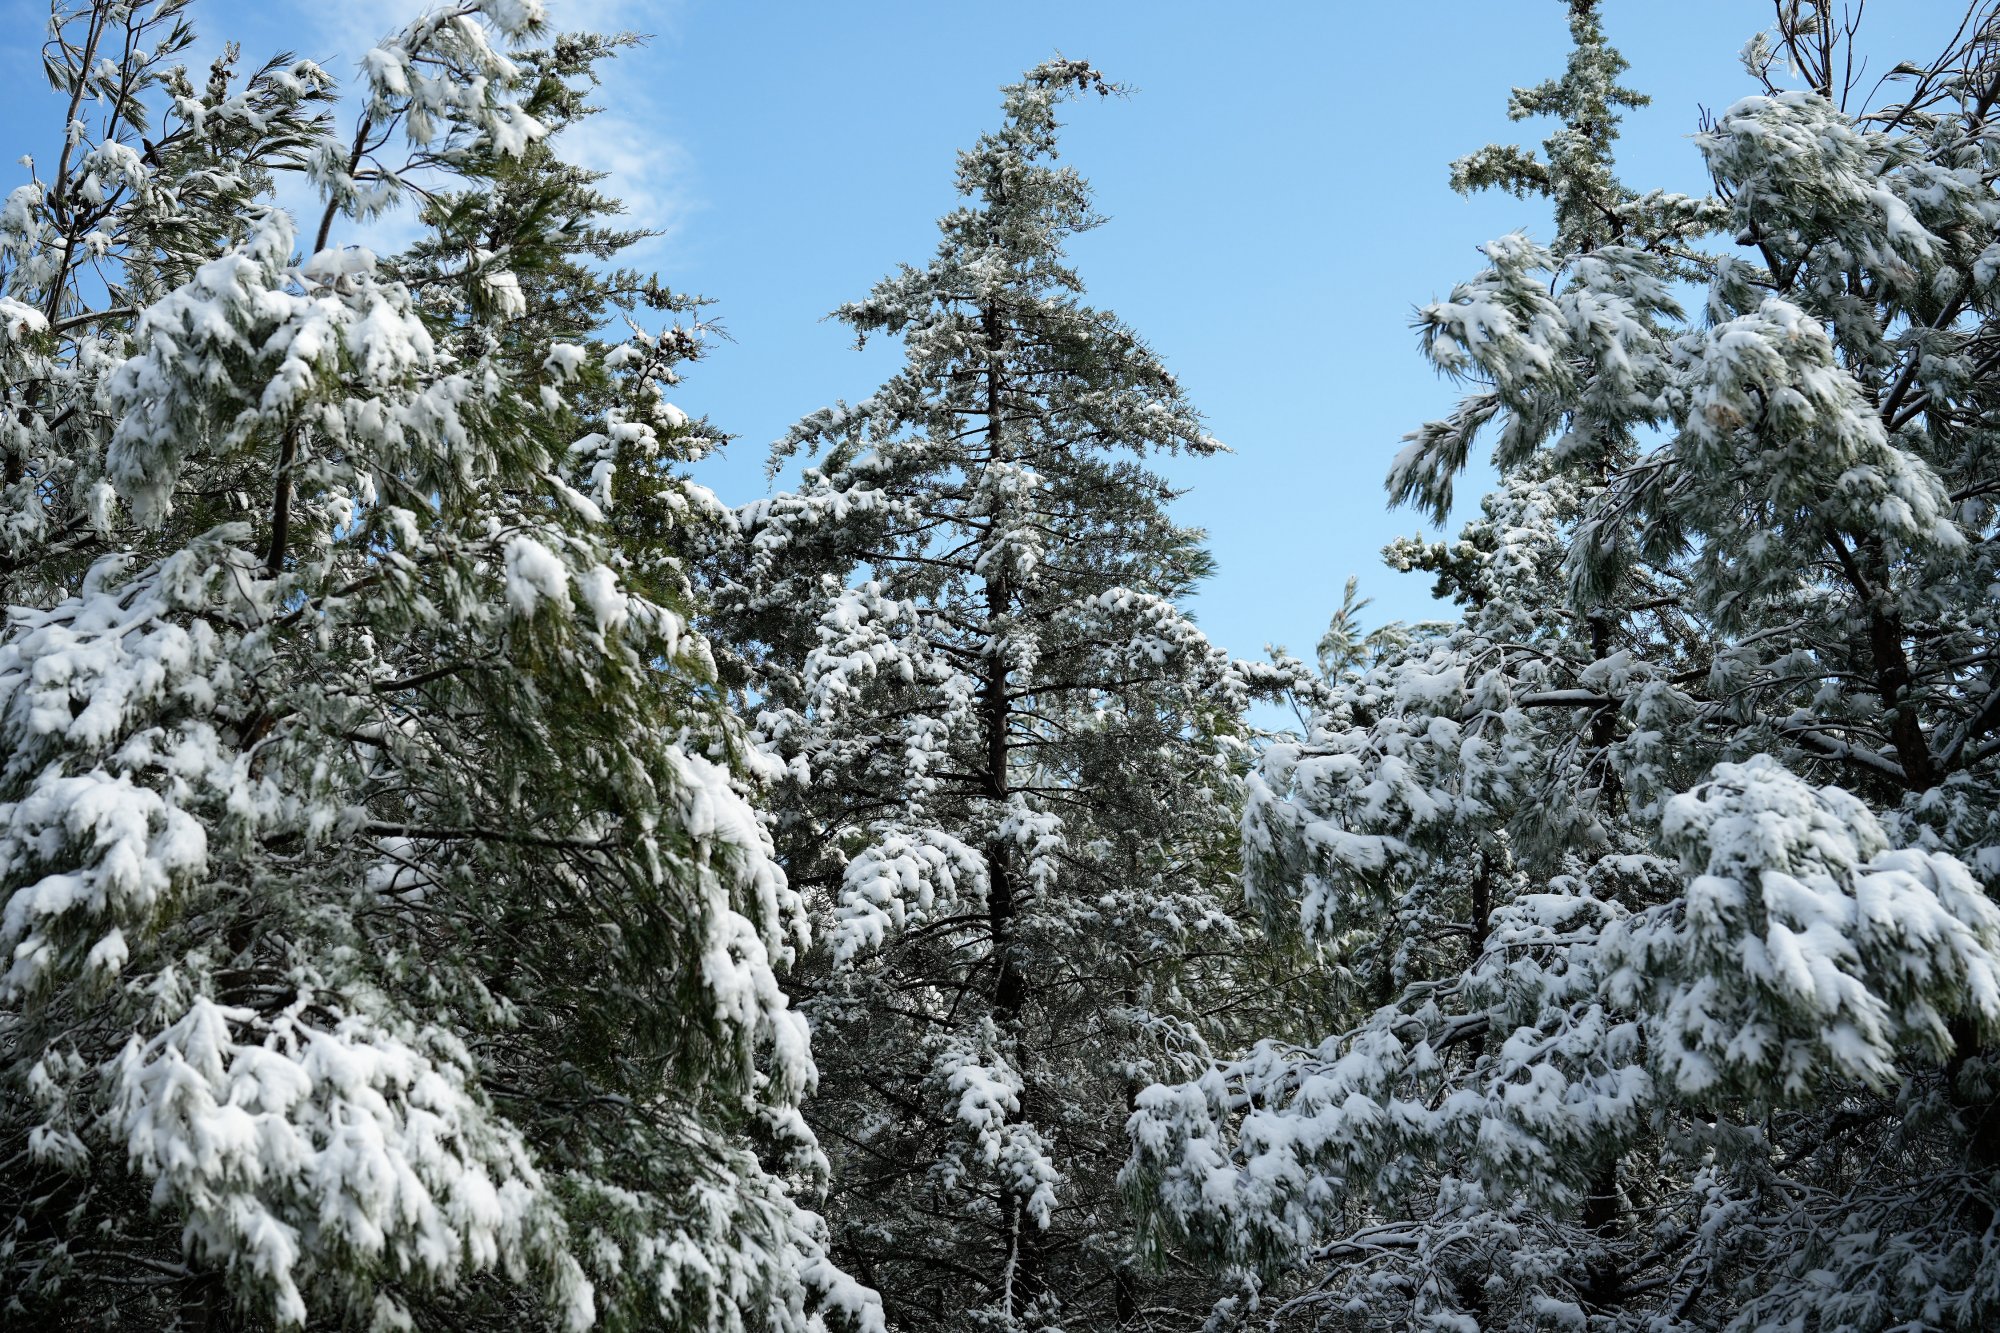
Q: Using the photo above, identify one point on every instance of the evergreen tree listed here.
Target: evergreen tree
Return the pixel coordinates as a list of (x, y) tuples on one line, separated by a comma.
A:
[(1012, 761), (388, 939), (1662, 878)]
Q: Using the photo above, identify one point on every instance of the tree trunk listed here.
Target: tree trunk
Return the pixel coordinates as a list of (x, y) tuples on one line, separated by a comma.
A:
[(1010, 985)]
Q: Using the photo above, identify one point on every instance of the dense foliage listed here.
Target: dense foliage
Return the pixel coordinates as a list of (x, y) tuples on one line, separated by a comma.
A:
[(1698, 795), (456, 873), (1012, 762), (347, 700)]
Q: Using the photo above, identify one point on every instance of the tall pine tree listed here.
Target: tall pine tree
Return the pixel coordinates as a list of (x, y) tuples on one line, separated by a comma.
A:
[(387, 940), (1012, 759), (1665, 872)]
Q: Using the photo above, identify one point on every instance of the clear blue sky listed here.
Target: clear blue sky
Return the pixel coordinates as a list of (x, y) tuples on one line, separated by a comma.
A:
[(1276, 189)]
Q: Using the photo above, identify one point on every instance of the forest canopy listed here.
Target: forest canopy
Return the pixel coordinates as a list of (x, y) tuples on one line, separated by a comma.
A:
[(459, 872)]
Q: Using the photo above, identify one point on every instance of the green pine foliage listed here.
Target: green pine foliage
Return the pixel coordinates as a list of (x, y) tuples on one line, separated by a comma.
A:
[(349, 703), (457, 873), (1660, 879), (1012, 761)]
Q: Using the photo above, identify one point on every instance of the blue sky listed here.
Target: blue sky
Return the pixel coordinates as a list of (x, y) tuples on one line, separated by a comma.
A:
[(1275, 184)]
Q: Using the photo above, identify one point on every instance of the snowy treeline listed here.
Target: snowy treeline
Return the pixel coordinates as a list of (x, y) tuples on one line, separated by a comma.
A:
[(457, 873)]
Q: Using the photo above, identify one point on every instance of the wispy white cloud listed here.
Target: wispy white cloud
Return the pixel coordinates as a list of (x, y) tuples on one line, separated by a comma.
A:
[(648, 169)]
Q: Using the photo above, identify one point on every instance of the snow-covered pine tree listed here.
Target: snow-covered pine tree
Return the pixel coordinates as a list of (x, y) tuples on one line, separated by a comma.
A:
[(387, 939), (1661, 880), (1013, 760)]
